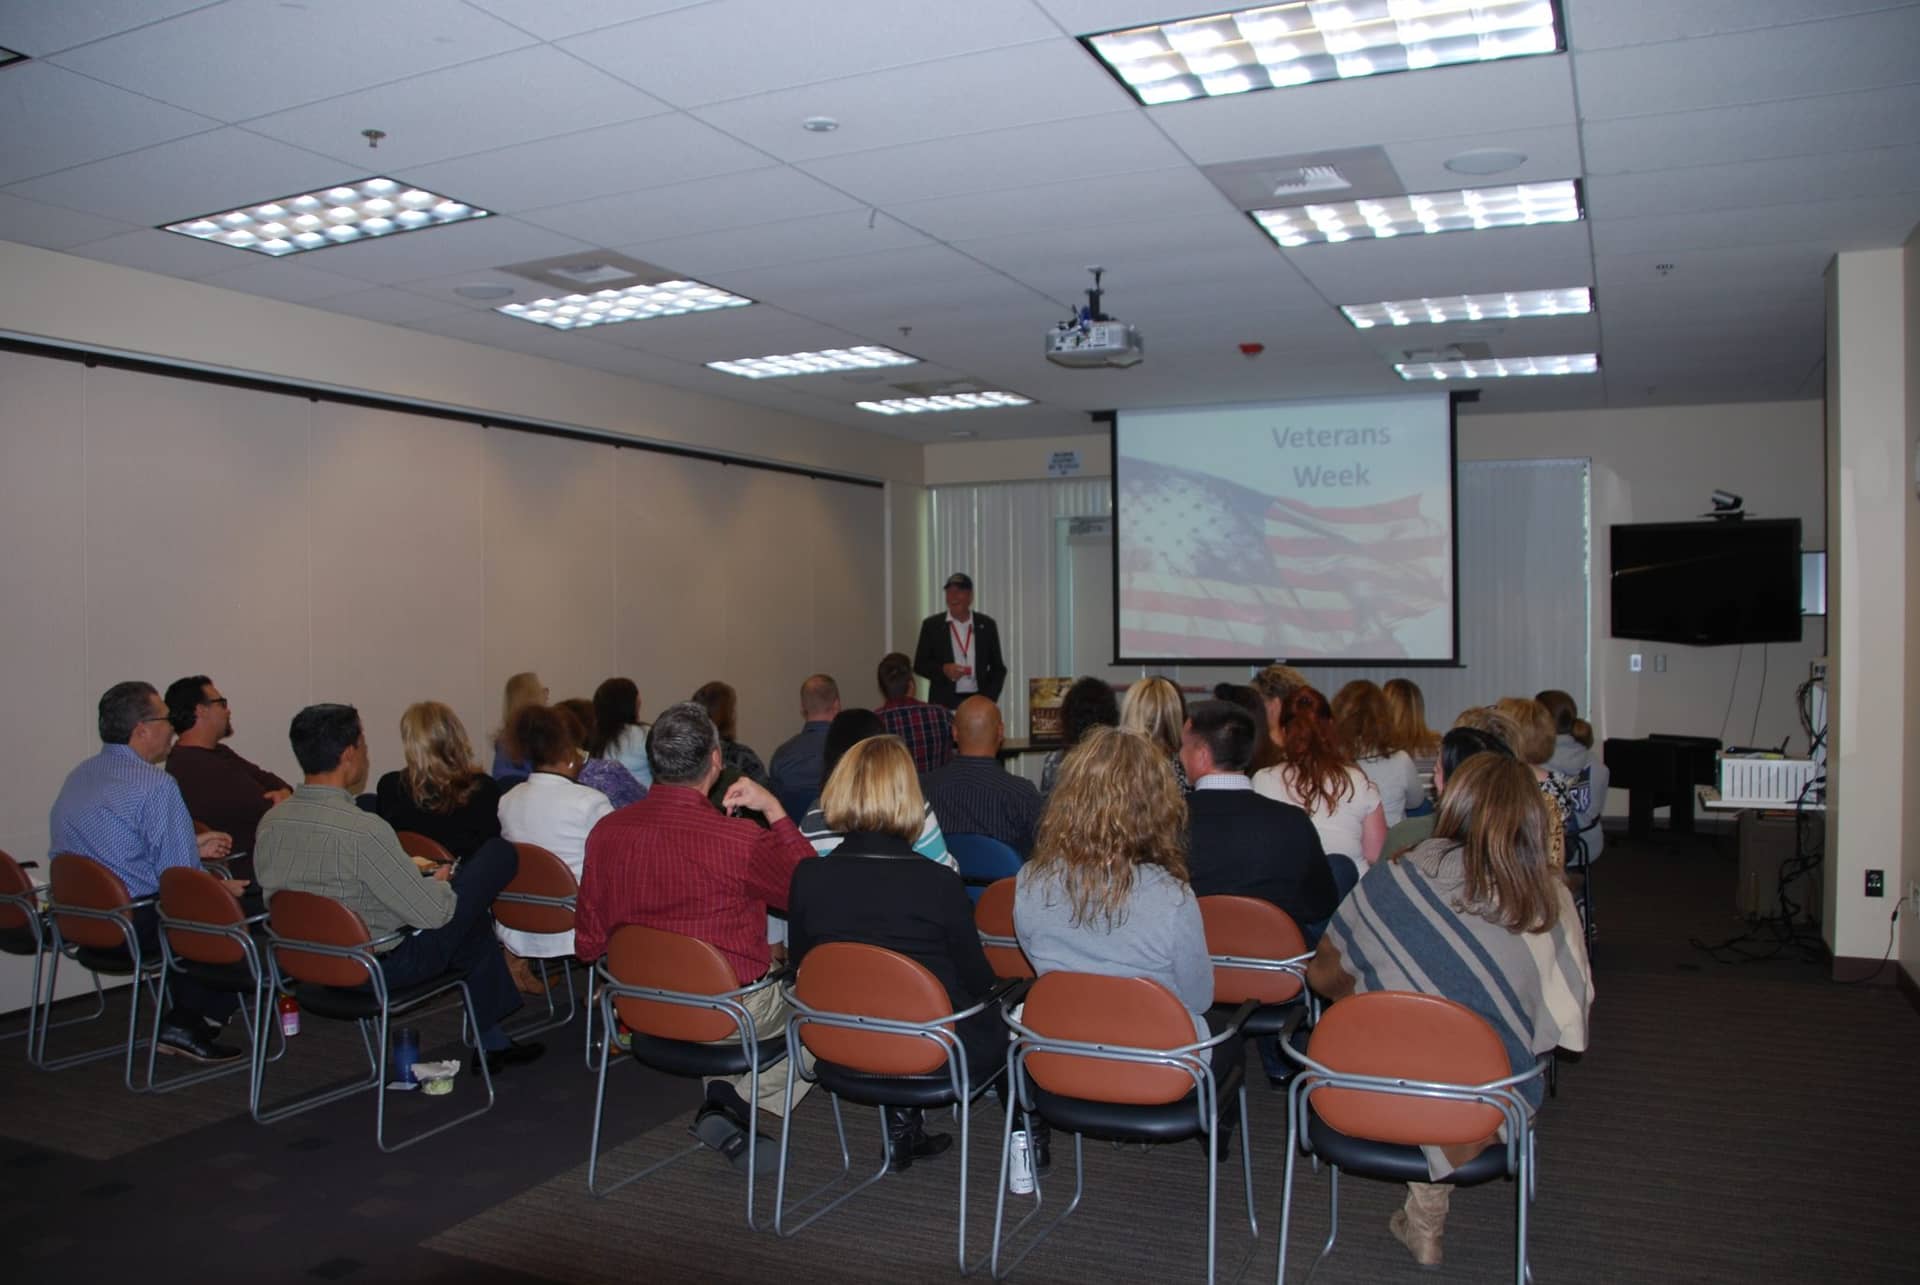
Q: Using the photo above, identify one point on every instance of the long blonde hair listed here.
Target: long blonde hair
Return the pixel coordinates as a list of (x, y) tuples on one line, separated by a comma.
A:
[(523, 689), (1407, 716), (1492, 808), (1114, 806), (1155, 709), (440, 772)]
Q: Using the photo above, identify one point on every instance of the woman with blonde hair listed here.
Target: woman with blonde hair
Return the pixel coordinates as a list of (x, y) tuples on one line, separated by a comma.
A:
[(1475, 915), (1318, 776), (510, 765), (1365, 727), (1156, 710), (875, 888), (1407, 724), (1533, 744), (441, 792)]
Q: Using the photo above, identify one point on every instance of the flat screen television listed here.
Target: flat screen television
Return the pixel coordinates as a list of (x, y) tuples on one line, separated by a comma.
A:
[(1707, 583)]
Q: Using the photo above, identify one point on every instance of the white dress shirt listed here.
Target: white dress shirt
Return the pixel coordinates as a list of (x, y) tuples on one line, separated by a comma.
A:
[(554, 813), (961, 634)]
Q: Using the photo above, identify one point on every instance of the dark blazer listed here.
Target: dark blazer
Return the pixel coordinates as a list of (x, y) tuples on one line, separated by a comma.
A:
[(1243, 844), (936, 649)]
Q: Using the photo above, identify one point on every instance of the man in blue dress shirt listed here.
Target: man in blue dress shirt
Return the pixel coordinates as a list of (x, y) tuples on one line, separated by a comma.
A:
[(122, 809)]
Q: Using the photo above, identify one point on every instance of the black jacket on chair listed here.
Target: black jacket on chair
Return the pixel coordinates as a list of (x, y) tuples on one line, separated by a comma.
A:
[(1246, 845), (936, 649)]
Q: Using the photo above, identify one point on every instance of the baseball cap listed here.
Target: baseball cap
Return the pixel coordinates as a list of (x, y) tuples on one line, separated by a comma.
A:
[(959, 580)]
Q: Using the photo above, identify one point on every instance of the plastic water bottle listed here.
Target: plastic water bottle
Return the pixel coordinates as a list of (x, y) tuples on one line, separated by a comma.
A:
[(1020, 1165), (289, 1015), (406, 1051)]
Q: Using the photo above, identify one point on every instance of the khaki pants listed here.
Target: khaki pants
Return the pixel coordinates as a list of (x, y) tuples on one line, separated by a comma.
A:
[(769, 1011)]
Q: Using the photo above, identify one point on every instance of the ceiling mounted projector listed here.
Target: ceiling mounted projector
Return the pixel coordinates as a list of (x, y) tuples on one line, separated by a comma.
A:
[(1091, 338)]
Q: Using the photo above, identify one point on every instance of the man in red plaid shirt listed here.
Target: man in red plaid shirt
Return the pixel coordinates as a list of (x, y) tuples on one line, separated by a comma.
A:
[(672, 862), (927, 729)]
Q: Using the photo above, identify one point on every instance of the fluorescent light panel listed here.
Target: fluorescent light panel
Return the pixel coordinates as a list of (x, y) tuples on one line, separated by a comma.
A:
[(864, 357), (945, 402), (1275, 46), (1581, 363), (1469, 210), (1470, 307), (635, 303), (357, 211)]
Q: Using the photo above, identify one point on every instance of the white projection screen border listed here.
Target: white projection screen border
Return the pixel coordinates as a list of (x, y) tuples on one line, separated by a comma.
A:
[(1230, 547)]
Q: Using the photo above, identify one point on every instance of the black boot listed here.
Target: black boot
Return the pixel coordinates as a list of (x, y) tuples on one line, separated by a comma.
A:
[(908, 1139), (1039, 1144)]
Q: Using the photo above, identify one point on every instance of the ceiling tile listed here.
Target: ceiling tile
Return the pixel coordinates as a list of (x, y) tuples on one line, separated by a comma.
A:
[(759, 331), (1111, 143), (727, 201), (56, 119), (1552, 153), (168, 253), (1864, 52), (1747, 185), (1086, 202), (655, 152), (1614, 23), (973, 93), (1086, 17), (1862, 223), (388, 305), (897, 287), (1060, 251), (45, 29), (281, 279), (1444, 102), (1755, 131), (51, 228), (513, 98), (823, 236), (202, 174), (777, 44), (272, 55), (478, 244), (556, 19)]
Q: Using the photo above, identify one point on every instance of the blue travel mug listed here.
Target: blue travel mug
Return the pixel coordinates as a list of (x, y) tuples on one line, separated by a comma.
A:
[(406, 1051)]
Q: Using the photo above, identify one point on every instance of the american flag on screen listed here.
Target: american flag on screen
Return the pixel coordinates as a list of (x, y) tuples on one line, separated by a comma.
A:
[(1210, 567)]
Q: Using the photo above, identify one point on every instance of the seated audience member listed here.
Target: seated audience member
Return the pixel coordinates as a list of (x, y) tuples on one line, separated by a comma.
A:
[(441, 792), (1407, 724), (1570, 756), (1360, 720), (1533, 745), (510, 766), (1316, 775), (121, 809), (926, 728), (1272, 686), (1456, 747), (1475, 915), (1088, 704), (1106, 891), (875, 888), (552, 810), (848, 729), (618, 733), (974, 794), (320, 841), (722, 704), (597, 772), (1239, 843), (674, 862), (1155, 709), (223, 791), (1265, 753), (794, 768)]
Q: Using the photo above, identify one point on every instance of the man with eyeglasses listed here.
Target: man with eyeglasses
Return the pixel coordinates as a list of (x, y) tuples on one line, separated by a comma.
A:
[(122, 810), (223, 790)]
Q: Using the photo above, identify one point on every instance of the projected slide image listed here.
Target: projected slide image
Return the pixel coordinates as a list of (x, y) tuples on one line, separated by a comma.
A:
[(1304, 531)]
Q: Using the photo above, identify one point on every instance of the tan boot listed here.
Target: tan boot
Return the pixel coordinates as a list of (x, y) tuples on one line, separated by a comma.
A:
[(1422, 1221), (525, 980)]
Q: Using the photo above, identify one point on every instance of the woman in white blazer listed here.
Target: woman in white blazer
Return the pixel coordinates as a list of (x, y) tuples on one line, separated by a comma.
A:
[(552, 810)]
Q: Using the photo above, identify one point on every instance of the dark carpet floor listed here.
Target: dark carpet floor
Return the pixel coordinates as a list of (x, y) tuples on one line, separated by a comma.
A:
[(1731, 1122)]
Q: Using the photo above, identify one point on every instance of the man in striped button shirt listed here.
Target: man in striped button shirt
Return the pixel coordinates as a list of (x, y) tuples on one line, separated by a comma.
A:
[(121, 809)]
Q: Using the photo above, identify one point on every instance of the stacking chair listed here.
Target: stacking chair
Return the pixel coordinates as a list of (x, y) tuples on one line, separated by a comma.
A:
[(882, 1032), (541, 899), (1117, 1058), (1259, 955), (1390, 1071), (325, 948), (92, 922), (993, 917), (24, 932), (205, 935), (982, 860), (688, 1016)]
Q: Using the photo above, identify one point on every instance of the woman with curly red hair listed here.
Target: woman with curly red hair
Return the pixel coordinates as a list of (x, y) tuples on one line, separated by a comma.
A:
[(1318, 776)]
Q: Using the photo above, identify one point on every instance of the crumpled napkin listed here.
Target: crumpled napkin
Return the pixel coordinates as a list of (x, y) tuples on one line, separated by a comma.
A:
[(426, 1071)]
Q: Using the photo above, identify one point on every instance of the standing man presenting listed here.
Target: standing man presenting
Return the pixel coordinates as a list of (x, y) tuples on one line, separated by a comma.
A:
[(959, 652)]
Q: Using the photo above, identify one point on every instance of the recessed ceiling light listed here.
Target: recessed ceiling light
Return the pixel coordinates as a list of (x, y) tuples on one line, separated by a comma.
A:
[(1584, 363), (945, 402), (1279, 45), (820, 124), (864, 357), (357, 211), (8, 56), (1472, 209), (635, 303), (484, 292), (1470, 307), (1486, 160)]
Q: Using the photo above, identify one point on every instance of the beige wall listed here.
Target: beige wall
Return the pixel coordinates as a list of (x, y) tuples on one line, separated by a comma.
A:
[(1910, 490), (1870, 499), (952, 463), (58, 296)]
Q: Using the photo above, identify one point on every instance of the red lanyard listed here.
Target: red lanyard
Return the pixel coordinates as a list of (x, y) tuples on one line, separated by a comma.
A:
[(962, 647)]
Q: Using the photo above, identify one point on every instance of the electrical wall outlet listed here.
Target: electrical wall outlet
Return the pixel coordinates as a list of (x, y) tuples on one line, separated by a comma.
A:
[(1660, 662), (1634, 662), (1876, 883), (1913, 899)]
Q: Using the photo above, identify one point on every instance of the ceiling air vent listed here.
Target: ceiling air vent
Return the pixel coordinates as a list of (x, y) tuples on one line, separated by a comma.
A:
[(1309, 179)]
